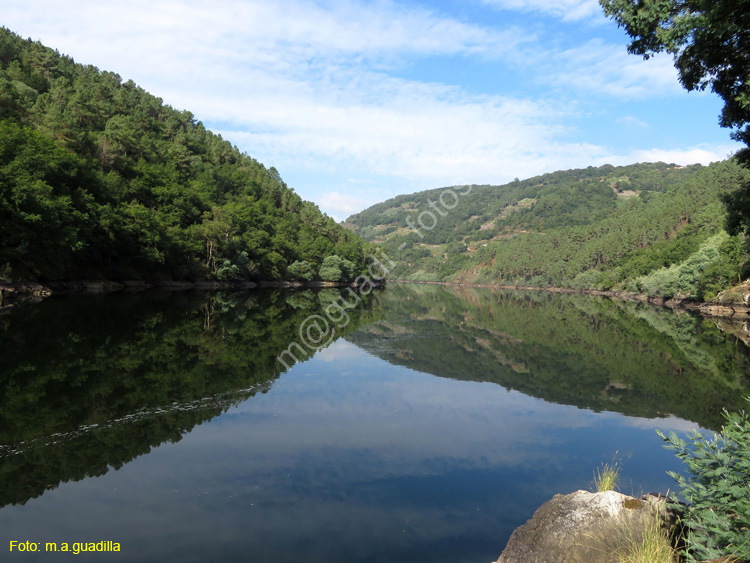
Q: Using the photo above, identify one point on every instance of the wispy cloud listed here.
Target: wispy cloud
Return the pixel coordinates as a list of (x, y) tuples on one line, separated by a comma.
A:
[(691, 155), (333, 87), (630, 121), (567, 10), (605, 69), (343, 205)]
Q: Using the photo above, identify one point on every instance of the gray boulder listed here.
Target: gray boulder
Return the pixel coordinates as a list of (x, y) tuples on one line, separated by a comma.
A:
[(584, 527)]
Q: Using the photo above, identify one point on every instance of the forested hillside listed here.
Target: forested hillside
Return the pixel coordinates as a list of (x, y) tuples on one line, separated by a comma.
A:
[(99, 178), (654, 228)]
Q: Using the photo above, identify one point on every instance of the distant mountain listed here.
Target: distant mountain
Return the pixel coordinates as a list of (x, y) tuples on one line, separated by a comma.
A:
[(653, 227), (99, 178)]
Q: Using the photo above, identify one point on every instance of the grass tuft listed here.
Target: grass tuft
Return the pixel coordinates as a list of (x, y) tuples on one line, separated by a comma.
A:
[(654, 546), (605, 478)]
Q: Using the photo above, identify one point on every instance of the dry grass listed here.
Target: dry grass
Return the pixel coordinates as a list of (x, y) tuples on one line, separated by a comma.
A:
[(654, 546)]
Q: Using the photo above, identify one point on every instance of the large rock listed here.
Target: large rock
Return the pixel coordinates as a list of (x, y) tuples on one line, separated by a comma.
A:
[(584, 527)]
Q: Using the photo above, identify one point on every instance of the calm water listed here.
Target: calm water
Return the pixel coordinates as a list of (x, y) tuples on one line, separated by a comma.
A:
[(434, 423)]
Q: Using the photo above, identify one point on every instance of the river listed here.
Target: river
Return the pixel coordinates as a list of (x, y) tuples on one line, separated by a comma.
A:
[(433, 423)]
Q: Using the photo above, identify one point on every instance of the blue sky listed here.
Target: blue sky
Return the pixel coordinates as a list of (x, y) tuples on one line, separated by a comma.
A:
[(355, 102)]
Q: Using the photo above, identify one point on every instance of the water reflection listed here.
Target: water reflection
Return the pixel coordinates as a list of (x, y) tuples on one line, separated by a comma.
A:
[(90, 382), (591, 352), (345, 457)]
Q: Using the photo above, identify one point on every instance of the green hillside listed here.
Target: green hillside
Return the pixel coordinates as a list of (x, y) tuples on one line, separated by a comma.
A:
[(99, 178), (654, 227)]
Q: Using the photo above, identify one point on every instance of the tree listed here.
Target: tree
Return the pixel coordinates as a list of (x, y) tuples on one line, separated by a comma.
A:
[(710, 42), (99, 178), (334, 268), (300, 270)]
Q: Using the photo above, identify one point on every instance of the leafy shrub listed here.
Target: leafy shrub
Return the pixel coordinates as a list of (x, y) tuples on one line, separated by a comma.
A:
[(727, 269), (334, 268), (716, 489), (586, 280), (300, 270), (683, 279), (6, 272), (228, 272)]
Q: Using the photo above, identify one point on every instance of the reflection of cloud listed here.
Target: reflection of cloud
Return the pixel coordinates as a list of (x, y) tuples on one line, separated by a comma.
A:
[(378, 408), (378, 465), (670, 423), (340, 350)]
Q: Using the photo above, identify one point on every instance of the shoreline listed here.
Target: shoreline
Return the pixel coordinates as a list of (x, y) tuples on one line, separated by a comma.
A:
[(37, 290), (33, 290), (730, 310)]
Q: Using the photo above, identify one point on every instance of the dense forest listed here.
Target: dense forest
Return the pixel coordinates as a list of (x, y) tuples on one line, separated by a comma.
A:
[(655, 228), (100, 179)]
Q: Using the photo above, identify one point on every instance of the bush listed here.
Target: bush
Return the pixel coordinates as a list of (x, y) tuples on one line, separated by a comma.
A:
[(716, 489), (727, 269), (586, 280), (228, 272), (300, 271), (334, 268), (683, 279)]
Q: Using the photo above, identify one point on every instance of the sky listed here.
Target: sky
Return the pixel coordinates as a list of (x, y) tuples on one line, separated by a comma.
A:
[(355, 102)]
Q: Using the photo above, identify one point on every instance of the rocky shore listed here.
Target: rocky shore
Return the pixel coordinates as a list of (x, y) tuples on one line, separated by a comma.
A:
[(586, 527), (732, 303)]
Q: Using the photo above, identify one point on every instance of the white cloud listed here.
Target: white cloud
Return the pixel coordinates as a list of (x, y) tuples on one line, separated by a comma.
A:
[(701, 155), (341, 205), (630, 121), (606, 69), (324, 86), (416, 131), (567, 10)]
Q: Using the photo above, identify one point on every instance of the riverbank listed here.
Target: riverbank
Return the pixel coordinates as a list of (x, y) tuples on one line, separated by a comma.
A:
[(732, 303), (35, 290)]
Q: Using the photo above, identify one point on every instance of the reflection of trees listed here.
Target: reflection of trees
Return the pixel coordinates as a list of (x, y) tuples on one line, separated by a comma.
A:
[(92, 382), (593, 353)]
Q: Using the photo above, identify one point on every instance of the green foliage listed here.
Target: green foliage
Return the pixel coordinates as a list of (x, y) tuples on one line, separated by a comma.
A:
[(473, 213), (690, 277), (300, 271), (229, 272), (709, 42), (507, 234), (605, 477), (334, 268), (725, 270), (100, 178), (716, 488)]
